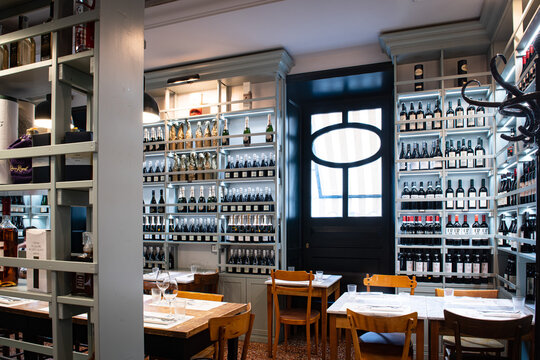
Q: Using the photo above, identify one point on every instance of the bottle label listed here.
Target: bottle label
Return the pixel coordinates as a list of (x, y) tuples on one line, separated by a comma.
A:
[(253, 173), (459, 122), (227, 175), (225, 208), (424, 165), (428, 124), (450, 203), (233, 208), (430, 196), (436, 267), (459, 269), (260, 173), (476, 268), (472, 204), (419, 266), (415, 165), (470, 163), (448, 267), (468, 269), (405, 196), (410, 265)]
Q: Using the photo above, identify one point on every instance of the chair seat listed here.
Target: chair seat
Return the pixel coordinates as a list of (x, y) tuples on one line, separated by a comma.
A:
[(474, 344), (378, 351), (397, 339), (298, 316)]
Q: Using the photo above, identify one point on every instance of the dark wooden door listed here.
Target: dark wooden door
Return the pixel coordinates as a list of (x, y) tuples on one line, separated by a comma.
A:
[(347, 176)]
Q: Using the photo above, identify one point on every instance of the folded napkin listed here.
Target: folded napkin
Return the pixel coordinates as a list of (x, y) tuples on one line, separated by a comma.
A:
[(161, 321), (501, 314)]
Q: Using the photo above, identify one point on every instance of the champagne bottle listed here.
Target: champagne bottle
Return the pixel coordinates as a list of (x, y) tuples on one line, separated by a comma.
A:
[(206, 134), (247, 132), (192, 207), (44, 203), (153, 202), (269, 130), (198, 135), (161, 207), (225, 134), (202, 201)]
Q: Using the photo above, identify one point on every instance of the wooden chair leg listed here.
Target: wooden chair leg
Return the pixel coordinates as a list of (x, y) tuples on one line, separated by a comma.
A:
[(285, 333), (348, 339), (308, 340), (317, 337), (276, 339)]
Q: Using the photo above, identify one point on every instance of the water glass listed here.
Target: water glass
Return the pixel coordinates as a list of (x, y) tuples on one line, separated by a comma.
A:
[(170, 294), (518, 302), (448, 292), (179, 308), (156, 296), (193, 268), (351, 289), (318, 275)]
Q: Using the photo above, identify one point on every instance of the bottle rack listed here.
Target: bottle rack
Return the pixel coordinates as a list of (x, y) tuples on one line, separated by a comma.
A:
[(440, 87), (223, 107), (516, 251)]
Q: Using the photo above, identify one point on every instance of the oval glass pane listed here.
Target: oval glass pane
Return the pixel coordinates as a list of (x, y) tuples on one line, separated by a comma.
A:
[(347, 145)]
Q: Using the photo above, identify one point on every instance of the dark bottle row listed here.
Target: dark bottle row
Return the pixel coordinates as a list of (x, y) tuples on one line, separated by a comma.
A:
[(237, 200), (410, 118), (508, 182), (237, 168), (530, 292), (461, 70), (527, 230), (432, 160), (509, 274), (157, 253), (464, 228), (249, 257), (530, 76), (421, 260), (201, 205), (452, 201)]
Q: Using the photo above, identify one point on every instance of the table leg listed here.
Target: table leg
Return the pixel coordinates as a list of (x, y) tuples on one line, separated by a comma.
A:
[(420, 340), (333, 337), (336, 296), (232, 349), (324, 306), (348, 340), (270, 316), (433, 340)]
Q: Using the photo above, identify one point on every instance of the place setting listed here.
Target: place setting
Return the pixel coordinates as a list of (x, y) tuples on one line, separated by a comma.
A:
[(376, 302)]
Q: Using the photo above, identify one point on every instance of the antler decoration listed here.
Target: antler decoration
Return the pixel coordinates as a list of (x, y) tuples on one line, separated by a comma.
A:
[(516, 103)]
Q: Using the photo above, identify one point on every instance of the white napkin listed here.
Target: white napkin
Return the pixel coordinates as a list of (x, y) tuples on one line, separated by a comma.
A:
[(159, 320)]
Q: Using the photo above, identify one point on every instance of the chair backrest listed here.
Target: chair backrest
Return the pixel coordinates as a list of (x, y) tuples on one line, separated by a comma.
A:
[(487, 294), (229, 327), (403, 324), (199, 296), (286, 289), (395, 281), (206, 282), (512, 329)]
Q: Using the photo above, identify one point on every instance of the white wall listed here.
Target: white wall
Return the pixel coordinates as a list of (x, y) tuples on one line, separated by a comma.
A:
[(338, 58)]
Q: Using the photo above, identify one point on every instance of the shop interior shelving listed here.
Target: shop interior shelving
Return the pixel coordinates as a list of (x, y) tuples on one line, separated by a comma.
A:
[(221, 100)]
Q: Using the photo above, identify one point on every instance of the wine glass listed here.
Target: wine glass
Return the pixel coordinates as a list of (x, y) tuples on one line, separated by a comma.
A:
[(170, 293), (162, 281)]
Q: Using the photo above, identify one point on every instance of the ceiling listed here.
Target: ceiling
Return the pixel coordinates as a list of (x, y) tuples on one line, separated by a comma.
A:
[(191, 30)]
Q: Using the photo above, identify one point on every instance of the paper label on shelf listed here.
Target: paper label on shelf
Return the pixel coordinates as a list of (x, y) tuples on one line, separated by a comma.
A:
[(41, 161), (260, 173), (191, 237), (244, 174), (270, 173), (424, 165), (430, 196), (78, 159)]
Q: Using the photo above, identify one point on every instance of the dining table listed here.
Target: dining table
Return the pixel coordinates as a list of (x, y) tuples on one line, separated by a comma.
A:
[(184, 278), (323, 289), (430, 310), (178, 337), (377, 304)]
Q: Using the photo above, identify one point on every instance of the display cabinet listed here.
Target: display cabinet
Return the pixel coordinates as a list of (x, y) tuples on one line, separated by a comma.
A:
[(213, 165), (68, 71)]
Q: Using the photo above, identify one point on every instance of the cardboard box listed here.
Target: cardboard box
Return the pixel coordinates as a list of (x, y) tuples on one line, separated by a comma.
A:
[(38, 246)]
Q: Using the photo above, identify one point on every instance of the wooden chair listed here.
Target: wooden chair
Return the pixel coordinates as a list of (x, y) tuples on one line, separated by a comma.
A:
[(486, 294), (207, 283), (292, 316), (225, 328), (394, 281), (199, 296), (471, 343), (512, 329), (404, 324)]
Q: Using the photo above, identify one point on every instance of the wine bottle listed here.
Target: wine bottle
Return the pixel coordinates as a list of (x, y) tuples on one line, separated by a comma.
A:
[(403, 117), (421, 196), (420, 116), (449, 196), (461, 70), (450, 113), (463, 155), (192, 203), (483, 193), (161, 206), (437, 164), (460, 193), (247, 132), (26, 48), (470, 154), (402, 165), (429, 117), (424, 163), (153, 203), (202, 201), (430, 194), (412, 118), (44, 203), (459, 112), (471, 112), (452, 153), (471, 193), (437, 114), (480, 121), (269, 130), (438, 195), (4, 54), (418, 74), (479, 151), (9, 276)]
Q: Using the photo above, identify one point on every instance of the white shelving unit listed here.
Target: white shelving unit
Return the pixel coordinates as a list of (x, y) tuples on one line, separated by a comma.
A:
[(219, 94), (115, 328)]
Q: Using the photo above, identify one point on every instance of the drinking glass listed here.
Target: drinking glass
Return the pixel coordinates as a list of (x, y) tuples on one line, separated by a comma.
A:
[(170, 294), (162, 280), (156, 296), (318, 275), (518, 302), (179, 307), (448, 292), (193, 268), (351, 289)]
